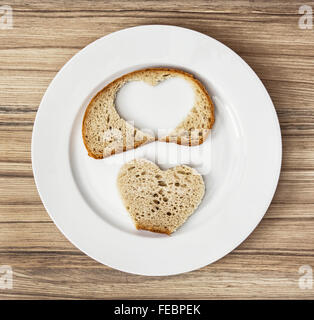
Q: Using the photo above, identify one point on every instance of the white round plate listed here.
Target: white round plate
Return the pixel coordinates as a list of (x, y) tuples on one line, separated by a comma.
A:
[(240, 161)]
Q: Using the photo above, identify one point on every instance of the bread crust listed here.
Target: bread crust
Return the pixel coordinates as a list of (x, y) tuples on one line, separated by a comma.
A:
[(152, 229), (167, 139)]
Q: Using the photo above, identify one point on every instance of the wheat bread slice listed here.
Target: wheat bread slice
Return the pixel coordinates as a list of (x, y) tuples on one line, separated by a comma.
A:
[(105, 133), (157, 200)]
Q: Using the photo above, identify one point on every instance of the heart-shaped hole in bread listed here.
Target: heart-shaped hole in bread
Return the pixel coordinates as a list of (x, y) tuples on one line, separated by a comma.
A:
[(105, 133), (156, 109), (157, 200)]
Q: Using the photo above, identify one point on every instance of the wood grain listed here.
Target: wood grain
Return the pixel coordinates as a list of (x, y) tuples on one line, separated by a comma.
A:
[(264, 33)]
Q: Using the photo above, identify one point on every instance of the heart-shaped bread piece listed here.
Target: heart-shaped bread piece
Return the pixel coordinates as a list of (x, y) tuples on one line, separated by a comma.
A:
[(157, 200), (105, 133)]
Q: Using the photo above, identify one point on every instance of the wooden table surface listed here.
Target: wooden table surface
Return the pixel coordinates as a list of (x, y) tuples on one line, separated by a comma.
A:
[(45, 35)]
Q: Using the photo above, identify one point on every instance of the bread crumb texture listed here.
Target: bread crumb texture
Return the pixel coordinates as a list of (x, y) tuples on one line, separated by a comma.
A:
[(105, 133), (157, 200)]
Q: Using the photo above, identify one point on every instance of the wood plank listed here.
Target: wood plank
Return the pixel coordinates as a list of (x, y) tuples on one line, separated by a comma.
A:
[(261, 28), (23, 88), (298, 153), (293, 101), (19, 190), (290, 210), (20, 211), (50, 276), (15, 146), (35, 212), (197, 6), (294, 187), (16, 213), (263, 37), (41, 236), (35, 59), (299, 69), (16, 169), (272, 235)]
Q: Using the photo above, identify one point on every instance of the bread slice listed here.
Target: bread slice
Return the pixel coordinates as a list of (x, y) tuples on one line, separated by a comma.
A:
[(157, 200), (105, 133)]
